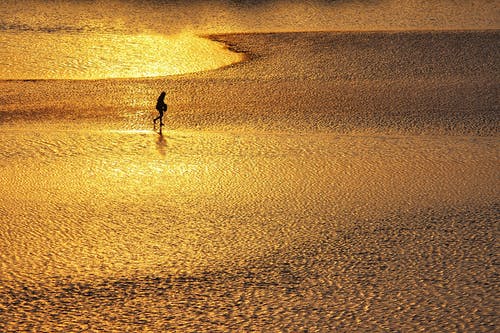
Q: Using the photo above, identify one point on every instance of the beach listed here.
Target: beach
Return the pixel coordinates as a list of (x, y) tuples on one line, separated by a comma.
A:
[(330, 181)]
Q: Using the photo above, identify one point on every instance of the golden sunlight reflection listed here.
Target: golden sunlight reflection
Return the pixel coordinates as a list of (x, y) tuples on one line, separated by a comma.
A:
[(101, 56)]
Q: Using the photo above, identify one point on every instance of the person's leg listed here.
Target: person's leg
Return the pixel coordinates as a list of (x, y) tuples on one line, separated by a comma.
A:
[(159, 117)]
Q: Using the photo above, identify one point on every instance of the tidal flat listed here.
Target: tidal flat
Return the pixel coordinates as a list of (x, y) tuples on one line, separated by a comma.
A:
[(340, 182)]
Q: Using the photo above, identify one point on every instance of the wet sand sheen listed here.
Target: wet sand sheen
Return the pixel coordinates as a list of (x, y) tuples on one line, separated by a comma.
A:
[(63, 56), (293, 207), (235, 182), (132, 218)]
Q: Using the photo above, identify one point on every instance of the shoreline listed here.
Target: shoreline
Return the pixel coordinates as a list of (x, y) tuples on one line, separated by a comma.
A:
[(249, 55), (337, 82), (264, 201)]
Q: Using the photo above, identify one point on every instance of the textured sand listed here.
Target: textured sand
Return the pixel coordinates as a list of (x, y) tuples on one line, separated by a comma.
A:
[(332, 182)]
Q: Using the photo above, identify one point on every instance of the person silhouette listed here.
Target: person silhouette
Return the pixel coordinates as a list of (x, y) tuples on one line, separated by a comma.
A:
[(161, 106)]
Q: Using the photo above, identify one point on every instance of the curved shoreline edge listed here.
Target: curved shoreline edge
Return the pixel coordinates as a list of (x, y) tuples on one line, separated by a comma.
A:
[(247, 54), (231, 46)]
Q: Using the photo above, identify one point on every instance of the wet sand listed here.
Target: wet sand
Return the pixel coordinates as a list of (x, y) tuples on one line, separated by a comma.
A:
[(333, 181)]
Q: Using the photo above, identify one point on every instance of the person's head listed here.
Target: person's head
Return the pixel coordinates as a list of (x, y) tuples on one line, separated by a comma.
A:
[(162, 95)]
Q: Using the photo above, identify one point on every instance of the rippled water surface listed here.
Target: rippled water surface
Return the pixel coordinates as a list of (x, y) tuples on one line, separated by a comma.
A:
[(212, 231), (44, 40), (62, 55), (331, 182), (122, 39)]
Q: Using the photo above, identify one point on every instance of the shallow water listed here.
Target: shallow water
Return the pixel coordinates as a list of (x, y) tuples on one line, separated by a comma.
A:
[(211, 231), (332, 197), (63, 55), (126, 39), (200, 197)]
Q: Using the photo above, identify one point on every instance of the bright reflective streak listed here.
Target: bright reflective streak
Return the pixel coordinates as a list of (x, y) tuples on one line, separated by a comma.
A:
[(30, 55)]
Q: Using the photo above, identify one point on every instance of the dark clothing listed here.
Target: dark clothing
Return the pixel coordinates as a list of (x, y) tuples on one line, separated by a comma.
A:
[(161, 106)]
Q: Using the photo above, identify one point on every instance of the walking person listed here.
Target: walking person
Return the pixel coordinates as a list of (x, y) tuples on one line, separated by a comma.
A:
[(161, 106)]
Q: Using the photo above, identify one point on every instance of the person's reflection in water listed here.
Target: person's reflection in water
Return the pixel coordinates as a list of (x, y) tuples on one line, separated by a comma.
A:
[(161, 144)]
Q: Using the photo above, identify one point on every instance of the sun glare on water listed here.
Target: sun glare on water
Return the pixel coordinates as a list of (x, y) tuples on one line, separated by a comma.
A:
[(103, 56)]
